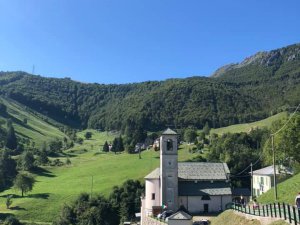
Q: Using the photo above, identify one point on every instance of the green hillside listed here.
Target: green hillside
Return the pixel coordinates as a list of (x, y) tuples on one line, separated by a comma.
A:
[(246, 127), (287, 191), (262, 85), (35, 129)]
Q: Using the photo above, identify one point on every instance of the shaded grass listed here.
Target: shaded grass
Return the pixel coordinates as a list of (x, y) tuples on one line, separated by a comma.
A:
[(35, 129)]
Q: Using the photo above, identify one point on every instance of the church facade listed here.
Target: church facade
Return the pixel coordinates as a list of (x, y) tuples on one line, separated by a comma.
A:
[(200, 187)]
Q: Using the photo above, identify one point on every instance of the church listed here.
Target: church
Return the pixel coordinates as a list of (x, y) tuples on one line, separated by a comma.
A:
[(200, 187)]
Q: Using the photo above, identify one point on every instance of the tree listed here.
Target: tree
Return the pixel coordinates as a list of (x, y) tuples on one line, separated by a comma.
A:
[(120, 144), (206, 128), (114, 147), (86, 210), (8, 201), (42, 158), (286, 142), (11, 220), (26, 161), (55, 146), (3, 109), (11, 139), (88, 135), (24, 182), (105, 147), (190, 135), (201, 136), (127, 198), (7, 169)]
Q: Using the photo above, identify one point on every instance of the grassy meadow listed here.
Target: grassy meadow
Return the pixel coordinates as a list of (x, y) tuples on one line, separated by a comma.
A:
[(246, 127), (90, 171), (58, 185)]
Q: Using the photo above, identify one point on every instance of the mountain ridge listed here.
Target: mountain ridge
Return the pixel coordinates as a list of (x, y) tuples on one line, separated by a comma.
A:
[(292, 52), (256, 90)]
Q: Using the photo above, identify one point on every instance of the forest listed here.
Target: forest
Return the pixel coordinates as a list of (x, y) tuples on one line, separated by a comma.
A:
[(244, 93)]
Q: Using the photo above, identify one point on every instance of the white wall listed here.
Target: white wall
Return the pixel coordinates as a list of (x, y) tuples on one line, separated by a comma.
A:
[(194, 204), (152, 186), (261, 184)]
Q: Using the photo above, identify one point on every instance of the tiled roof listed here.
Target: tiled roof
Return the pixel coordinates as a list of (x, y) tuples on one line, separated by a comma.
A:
[(153, 175), (266, 171), (202, 171), (197, 171), (169, 132), (192, 188), (180, 215)]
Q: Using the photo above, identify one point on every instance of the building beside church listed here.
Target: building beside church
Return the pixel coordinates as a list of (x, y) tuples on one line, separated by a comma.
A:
[(200, 187)]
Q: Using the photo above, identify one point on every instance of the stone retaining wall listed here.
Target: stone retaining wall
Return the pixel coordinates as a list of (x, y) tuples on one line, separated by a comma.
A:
[(152, 221)]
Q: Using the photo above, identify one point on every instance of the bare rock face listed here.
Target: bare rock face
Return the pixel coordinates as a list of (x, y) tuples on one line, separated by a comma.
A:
[(266, 58)]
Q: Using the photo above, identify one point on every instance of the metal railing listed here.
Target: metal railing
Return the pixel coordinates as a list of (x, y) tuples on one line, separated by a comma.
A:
[(275, 210)]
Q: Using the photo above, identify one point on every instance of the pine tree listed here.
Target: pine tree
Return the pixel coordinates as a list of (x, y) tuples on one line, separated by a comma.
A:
[(114, 147), (43, 156), (206, 128), (120, 144), (11, 139), (105, 147)]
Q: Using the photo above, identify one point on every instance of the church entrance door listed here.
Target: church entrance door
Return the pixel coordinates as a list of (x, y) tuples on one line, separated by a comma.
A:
[(205, 208)]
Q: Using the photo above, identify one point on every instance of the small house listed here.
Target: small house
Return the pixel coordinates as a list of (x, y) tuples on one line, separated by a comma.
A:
[(180, 218)]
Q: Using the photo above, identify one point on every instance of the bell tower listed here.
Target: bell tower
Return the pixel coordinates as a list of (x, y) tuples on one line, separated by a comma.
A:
[(169, 169)]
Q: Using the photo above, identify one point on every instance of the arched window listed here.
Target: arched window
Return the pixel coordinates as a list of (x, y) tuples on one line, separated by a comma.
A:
[(205, 197), (169, 145)]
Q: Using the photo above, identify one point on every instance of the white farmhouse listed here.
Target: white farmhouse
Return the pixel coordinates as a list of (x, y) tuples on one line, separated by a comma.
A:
[(263, 180), (198, 186)]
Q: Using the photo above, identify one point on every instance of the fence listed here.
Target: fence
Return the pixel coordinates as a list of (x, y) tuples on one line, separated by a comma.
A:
[(278, 210)]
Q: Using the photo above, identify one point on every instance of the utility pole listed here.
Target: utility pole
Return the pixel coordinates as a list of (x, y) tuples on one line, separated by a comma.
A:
[(140, 153), (251, 182), (274, 169), (92, 186)]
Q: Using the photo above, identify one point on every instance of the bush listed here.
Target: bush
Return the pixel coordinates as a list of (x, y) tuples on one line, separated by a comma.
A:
[(12, 220), (56, 162), (79, 141), (8, 201), (68, 161), (88, 135)]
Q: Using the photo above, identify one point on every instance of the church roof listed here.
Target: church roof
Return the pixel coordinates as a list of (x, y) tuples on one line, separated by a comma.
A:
[(154, 174), (180, 215), (169, 132), (194, 188), (202, 171), (197, 171)]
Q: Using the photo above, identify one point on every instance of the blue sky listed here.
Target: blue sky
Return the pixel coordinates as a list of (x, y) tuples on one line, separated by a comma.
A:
[(109, 41)]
